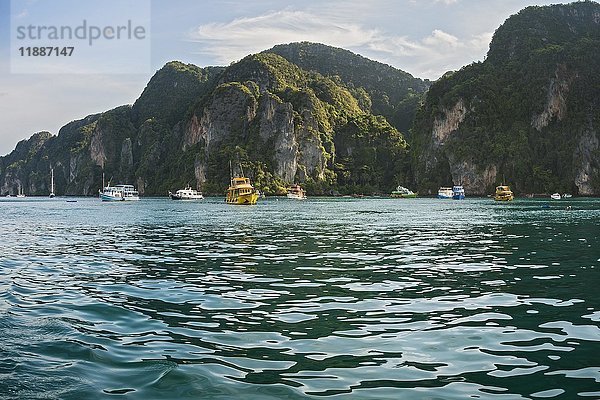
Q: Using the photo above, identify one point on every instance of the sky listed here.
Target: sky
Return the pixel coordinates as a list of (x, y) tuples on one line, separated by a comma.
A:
[(423, 37)]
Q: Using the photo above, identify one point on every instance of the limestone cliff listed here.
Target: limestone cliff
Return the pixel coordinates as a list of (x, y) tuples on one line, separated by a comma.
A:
[(526, 116), (556, 103), (264, 114)]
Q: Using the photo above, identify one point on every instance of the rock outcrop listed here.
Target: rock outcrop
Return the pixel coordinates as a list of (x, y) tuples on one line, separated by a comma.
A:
[(525, 116)]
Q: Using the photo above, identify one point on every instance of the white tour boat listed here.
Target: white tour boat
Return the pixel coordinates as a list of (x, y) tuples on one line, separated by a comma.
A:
[(186, 194), (296, 192), (119, 193)]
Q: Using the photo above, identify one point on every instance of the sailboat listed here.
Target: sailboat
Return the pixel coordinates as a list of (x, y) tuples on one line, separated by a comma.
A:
[(52, 183), (20, 194)]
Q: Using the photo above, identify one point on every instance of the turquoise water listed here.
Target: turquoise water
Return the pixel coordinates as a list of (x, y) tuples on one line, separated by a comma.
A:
[(328, 298)]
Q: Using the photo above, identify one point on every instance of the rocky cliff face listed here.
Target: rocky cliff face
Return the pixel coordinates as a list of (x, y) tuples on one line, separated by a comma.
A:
[(556, 103), (527, 115), (587, 162), (270, 116)]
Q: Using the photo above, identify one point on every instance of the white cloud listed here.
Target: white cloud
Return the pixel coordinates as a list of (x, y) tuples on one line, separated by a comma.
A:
[(233, 40), (442, 39), (426, 57), (432, 56), (481, 41)]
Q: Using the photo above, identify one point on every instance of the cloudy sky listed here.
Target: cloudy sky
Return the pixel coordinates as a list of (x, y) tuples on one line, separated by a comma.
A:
[(423, 37)]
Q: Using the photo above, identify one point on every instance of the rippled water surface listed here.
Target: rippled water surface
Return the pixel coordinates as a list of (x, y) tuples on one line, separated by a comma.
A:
[(337, 298)]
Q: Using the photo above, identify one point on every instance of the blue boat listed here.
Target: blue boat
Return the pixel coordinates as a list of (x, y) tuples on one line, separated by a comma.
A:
[(458, 192)]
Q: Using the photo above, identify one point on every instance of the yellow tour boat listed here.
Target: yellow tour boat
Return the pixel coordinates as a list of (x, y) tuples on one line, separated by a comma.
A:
[(503, 193), (240, 191)]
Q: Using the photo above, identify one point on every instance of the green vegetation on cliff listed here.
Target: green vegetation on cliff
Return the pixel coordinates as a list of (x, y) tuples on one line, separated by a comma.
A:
[(173, 90), (288, 113), (386, 90)]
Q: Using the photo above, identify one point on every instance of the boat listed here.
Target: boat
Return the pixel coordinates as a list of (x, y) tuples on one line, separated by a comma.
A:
[(567, 196), (555, 196), (458, 192), (20, 194), (186, 194), (503, 193), (51, 183), (119, 193), (403, 193), (296, 192), (445, 193), (240, 191)]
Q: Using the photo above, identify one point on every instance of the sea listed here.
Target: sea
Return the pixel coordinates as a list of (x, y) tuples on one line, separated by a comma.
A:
[(328, 298)]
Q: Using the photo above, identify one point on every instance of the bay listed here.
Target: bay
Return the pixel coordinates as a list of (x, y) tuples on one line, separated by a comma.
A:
[(370, 298)]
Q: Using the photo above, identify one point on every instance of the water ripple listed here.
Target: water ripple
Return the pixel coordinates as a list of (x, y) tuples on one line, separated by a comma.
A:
[(371, 298)]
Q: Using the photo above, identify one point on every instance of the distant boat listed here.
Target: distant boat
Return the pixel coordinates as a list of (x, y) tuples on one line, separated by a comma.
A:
[(555, 196), (51, 182), (119, 193), (458, 192), (503, 193), (186, 194), (296, 192), (567, 196), (240, 191), (445, 193), (20, 194), (403, 193)]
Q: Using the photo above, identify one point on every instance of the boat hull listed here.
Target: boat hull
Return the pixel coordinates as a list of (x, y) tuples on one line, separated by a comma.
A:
[(504, 197), (243, 199), (444, 196), (403, 196), (105, 197), (458, 197), (185, 198), (296, 196)]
